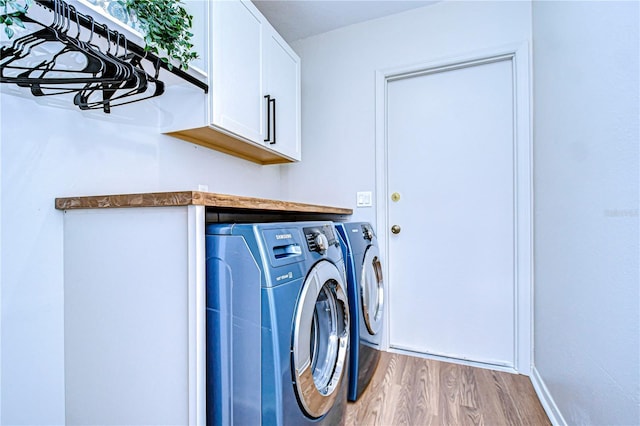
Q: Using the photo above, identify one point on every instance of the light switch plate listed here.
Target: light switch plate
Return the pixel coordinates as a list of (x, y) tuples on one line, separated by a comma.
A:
[(364, 199)]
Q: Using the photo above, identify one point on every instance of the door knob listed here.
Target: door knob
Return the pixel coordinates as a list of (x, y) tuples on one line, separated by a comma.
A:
[(395, 229)]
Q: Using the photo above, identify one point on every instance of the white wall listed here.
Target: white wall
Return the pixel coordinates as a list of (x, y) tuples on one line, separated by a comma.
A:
[(51, 149), (338, 86), (586, 137)]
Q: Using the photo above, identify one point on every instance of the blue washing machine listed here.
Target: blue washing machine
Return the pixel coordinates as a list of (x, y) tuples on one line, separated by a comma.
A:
[(278, 324), (366, 302)]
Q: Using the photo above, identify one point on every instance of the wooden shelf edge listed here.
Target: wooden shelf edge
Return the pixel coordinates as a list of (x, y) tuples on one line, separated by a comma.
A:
[(185, 198), (215, 139)]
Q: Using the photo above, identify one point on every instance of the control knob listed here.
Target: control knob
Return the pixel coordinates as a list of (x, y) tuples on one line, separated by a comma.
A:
[(322, 243), (366, 233)]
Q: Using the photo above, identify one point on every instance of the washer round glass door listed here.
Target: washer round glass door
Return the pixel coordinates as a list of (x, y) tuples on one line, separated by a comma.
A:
[(372, 290), (320, 339)]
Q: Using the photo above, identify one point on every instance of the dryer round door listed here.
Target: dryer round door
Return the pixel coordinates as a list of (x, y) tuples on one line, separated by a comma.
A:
[(320, 339), (372, 290)]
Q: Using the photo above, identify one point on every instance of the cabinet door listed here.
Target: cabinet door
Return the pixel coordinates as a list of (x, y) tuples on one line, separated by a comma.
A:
[(236, 69), (282, 81), (134, 335)]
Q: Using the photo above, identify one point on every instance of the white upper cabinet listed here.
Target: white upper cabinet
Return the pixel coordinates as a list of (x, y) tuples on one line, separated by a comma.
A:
[(236, 69), (254, 88), (282, 86)]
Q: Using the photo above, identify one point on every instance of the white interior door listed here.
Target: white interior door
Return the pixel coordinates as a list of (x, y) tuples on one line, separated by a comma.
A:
[(450, 158)]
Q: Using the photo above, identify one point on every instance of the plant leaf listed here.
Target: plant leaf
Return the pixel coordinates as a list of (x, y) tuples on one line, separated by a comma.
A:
[(18, 22), (166, 25)]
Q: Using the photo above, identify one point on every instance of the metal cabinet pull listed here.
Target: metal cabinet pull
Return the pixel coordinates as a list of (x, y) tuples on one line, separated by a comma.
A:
[(268, 98), (271, 104), (274, 120)]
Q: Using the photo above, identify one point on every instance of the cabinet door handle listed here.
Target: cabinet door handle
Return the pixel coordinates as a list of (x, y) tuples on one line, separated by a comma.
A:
[(274, 120), (268, 98)]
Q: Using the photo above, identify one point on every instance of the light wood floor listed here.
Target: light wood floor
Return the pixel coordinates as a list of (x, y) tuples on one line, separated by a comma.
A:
[(414, 391)]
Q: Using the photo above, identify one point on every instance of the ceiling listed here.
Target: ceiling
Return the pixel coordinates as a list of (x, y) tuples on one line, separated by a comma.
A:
[(298, 19)]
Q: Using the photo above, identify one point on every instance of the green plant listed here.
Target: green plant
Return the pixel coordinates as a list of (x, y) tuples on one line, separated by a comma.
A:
[(166, 25), (11, 13)]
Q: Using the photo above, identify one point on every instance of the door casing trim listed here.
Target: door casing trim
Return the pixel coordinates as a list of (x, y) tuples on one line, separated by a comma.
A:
[(519, 54)]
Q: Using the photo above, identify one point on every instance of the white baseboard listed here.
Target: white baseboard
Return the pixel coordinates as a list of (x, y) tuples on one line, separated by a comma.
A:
[(443, 358), (549, 405)]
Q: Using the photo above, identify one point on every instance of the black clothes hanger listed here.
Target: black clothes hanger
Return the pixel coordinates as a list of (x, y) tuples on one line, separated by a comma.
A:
[(116, 96), (59, 58), (98, 66)]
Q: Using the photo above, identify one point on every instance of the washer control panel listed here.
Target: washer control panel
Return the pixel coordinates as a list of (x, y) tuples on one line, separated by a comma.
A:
[(320, 238), (367, 232)]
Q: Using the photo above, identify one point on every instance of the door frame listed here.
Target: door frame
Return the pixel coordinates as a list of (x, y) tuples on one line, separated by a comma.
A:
[(519, 54)]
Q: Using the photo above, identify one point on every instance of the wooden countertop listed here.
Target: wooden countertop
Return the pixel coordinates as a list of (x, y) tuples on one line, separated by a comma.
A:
[(186, 198)]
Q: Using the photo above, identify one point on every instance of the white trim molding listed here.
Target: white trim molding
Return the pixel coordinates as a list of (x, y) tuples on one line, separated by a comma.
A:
[(197, 314), (549, 405), (519, 55), (1, 251)]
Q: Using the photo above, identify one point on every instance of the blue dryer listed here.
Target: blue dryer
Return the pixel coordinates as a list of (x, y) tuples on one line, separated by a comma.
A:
[(277, 324), (366, 302)]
